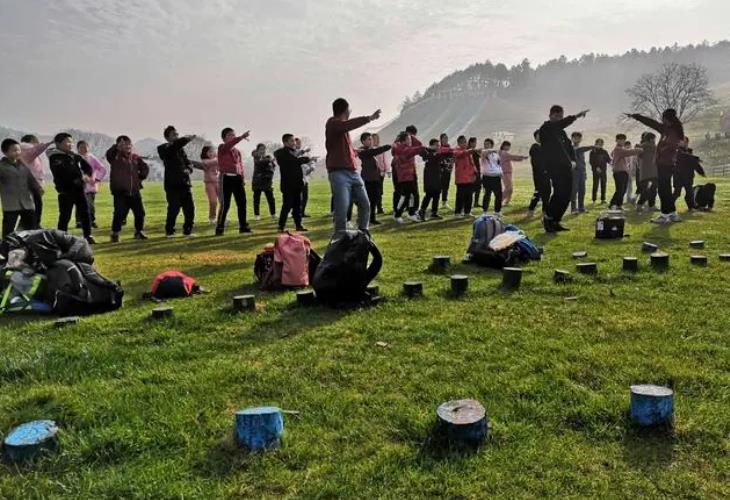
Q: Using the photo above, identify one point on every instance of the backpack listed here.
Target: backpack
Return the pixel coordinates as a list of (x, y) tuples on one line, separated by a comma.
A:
[(484, 230), (343, 275), (704, 196), (76, 288), (23, 291), (288, 264), (173, 285), (44, 247)]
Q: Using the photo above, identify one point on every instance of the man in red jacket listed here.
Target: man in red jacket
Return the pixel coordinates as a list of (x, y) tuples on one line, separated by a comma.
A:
[(346, 184), (125, 182)]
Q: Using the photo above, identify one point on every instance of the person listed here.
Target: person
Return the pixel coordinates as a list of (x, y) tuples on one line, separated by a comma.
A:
[(127, 171), (68, 169), (18, 189), (292, 181), (599, 160), (505, 160), (539, 177), (647, 173), (632, 163), (432, 180), (370, 172), (405, 149), (345, 182), (687, 165), (559, 158), (384, 168), (263, 181), (177, 184), (475, 158), (32, 150), (211, 179), (671, 133), (447, 167), (308, 170), (620, 160), (577, 202), (464, 174), (232, 183), (491, 168), (91, 183)]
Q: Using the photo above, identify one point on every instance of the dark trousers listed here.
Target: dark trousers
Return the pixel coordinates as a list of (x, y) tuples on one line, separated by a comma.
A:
[(379, 208), (269, 193), (542, 190), (477, 191), (396, 192), (684, 181), (232, 186), (291, 201), (599, 183), (492, 186), (305, 198), (375, 195), (69, 201), (123, 203), (10, 221), (647, 192), (464, 199), (91, 202), (180, 198), (621, 179), (445, 184), (38, 202), (561, 182), (408, 198), (432, 198), (664, 184)]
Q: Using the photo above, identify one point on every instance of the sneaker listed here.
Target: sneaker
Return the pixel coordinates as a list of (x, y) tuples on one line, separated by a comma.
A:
[(302, 229), (212, 222), (93, 225), (436, 217), (560, 228), (381, 211), (674, 217), (445, 206), (141, 236), (614, 208), (170, 236), (574, 212), (422, 215), (400, 220), (662, 219), (583, 210), (190, 235), (414, 218), (90, 240), (257, 218), (114, 238), (458, 216), (244, 230)]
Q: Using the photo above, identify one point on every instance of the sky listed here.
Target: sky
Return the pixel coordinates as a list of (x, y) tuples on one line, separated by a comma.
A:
[(274, 66)]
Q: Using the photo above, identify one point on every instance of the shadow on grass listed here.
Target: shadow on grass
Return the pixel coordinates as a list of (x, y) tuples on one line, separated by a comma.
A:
[(648, 448)]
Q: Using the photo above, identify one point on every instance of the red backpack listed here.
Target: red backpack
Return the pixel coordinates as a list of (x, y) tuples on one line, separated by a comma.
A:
[(173, 285), (288, 264)]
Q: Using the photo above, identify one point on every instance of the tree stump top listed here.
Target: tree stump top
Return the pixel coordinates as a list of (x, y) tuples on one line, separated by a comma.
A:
[(656, 391), (462, 412)]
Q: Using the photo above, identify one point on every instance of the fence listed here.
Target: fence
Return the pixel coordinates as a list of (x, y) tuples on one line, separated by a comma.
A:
[(719, 171)]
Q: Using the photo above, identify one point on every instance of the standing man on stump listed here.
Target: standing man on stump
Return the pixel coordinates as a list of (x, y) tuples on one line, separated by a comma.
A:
[(558, 156), (346, 184)]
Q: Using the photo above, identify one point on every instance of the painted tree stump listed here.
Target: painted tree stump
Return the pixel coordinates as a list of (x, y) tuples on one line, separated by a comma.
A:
[(652, 405), (631, 265), (580, 255), (162, 312), (243, 303), (660, 261), (441, 263), (649, 247), (459, 285), (413, 289), (725, 257), (511, 278), (306, 298), (588, 268), (697, 244), (562, 277), (463, 422), (30, 440), (259, 428), (699, 260), (64, 322), (373, 291)]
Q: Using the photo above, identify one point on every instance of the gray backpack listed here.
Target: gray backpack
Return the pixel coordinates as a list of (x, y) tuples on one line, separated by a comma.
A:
[(485, 229)]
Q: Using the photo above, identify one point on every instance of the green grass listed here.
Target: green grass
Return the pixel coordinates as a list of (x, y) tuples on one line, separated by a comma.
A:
[(146, 409)]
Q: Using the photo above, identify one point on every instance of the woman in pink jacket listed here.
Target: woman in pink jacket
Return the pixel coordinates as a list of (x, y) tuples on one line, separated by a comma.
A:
[(91, 183), (209, 162), (506, 159), (405, 149), (465, 173)]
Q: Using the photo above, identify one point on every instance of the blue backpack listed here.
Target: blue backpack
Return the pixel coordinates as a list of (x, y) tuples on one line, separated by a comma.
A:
[(485, 229)]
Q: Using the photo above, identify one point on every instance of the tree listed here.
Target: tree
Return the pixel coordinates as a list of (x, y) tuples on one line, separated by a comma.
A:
[(684, 87)]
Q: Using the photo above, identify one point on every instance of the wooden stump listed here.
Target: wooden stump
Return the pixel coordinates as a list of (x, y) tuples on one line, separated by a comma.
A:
[(162, 312), (580, 255), (373, 291), (413, 289), (64, 322), (511, 278), (562, 277), (30, 440), (306, 298), (590, 268), (243, 303), (259, 428), (660, 261), (649, 247), (463, 422), (441, 263), (725, 257), (631, 265), (697, 244), (652, 405), (699, 260), (459, 285)]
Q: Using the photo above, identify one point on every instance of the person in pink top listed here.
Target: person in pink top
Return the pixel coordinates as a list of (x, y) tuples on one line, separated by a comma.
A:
[(405, 149), (209, 162), (621, 155), (91, 183), (506, 159), (230, 170), (31, 156)]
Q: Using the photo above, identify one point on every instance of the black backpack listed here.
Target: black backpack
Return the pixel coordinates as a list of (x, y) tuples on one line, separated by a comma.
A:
[(78, 289), (343, 275), (46, 246)]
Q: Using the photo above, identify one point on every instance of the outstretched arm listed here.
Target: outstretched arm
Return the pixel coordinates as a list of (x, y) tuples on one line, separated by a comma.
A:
[(352, 123), (29, 155), (227, 145), (649, 122)]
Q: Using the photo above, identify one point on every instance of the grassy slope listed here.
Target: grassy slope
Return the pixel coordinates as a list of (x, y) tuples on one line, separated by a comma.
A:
[(146, 408)]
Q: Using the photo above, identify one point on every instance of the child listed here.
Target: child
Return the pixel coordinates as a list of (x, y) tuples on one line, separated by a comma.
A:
[(405, 150), (621, 154), (577, 201), (232, 184), (384, 168), (465, 172), (633, 164), (505, 160), (32, 151), (447, 167), (684, 177), (18, 187), (475, 158), (647, 172), (91, 187), (432, 180), (599, 160), (125, 183), (539, 177), (491, 177), (210, 179), (370, 173), (263, 181)]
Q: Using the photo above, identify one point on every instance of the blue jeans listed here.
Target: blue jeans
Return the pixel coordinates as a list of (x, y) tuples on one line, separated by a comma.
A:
[(348, 187)]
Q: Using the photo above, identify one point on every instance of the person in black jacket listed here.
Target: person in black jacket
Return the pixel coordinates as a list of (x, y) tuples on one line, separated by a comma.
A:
[(559, 157), (178, 188), (292, 182), (447, 167), (432, 179), (68, 171), (371, 173), (539, 177), (263, 181), (684, 174), (476, 157), (599, 160)]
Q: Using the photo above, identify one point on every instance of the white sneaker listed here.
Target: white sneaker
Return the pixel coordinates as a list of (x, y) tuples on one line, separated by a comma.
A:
[(257, 218), (574, 212), (171, 236), (675, 217), (400, 220), (414, 218), (191, 235), (212, 222), (614, 208), (662, 219)]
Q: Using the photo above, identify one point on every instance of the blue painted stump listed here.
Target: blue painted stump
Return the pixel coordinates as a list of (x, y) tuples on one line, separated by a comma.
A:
[(29, 440), (463, 422), (259, 428), (652, 405)]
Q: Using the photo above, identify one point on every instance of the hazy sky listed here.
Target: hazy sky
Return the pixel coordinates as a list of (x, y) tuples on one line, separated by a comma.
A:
[(274, 66)]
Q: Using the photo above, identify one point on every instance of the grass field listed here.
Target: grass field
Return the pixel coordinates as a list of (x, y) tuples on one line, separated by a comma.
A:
[(146, 409)]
